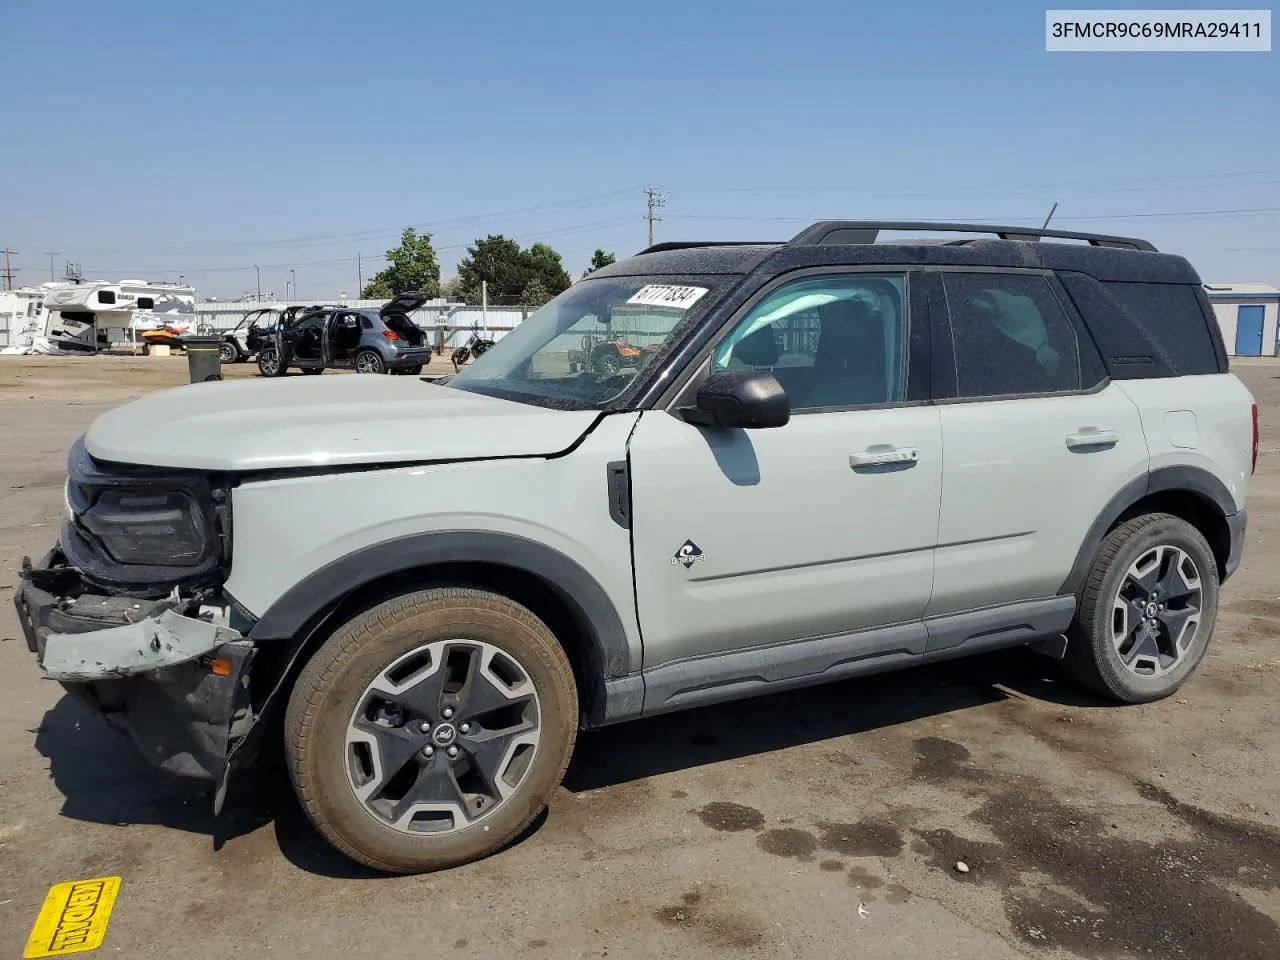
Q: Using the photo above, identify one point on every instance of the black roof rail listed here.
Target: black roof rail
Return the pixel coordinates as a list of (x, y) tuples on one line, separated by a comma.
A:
[(691, 244), (866, 231)]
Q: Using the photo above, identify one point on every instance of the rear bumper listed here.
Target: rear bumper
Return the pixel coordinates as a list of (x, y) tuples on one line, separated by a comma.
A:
[(152, 678), (1236, 523), (409, 358)]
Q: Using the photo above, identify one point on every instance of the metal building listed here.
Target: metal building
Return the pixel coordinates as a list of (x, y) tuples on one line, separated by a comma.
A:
[(1247, 314)]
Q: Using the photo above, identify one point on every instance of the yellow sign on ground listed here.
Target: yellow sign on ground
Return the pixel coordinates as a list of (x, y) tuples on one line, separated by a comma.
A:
[(73, 919)]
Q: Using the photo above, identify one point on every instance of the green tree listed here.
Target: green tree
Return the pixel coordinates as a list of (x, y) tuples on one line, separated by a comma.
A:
[(412, 266), (497, 260), (599, 259), (508, 270), (543, 263), (535, 293)]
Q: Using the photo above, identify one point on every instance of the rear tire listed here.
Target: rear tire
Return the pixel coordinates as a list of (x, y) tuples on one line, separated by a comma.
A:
[(1147, 610), (365, 735), (369, 361)]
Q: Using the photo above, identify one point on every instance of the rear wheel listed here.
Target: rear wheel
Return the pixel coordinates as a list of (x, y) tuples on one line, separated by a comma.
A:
[(369, 361), (430, 730), (1147, 610), (269, 363)]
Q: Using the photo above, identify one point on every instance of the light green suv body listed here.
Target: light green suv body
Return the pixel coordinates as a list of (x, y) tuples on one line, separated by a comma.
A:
[(835, 457)]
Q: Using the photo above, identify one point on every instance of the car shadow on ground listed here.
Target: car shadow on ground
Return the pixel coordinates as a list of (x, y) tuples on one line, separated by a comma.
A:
[(104, 780)]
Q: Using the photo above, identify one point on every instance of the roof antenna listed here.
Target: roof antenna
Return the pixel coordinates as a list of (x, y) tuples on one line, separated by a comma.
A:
[(1045, 225)]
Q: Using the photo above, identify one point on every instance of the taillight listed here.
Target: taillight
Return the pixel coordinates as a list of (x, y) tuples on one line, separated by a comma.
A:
[(390, 335), (1253, 468)]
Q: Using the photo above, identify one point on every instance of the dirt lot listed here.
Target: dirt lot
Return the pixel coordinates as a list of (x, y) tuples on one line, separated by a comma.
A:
[(825, 823)]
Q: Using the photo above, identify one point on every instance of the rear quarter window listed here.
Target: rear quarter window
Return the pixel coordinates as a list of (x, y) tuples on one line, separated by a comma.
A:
[(1147, 329)]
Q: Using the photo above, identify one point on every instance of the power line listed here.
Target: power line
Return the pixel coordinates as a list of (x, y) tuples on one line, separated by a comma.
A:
[(359, 258), (1184, 214), (519, 213)]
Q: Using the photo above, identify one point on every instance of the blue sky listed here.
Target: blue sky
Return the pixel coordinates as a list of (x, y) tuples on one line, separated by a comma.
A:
[(199, 139)]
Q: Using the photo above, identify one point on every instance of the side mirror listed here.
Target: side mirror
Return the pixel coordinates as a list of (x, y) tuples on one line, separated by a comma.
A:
[(739, 398)]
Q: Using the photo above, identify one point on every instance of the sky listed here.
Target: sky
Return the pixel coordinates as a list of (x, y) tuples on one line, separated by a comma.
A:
[(160, 140)]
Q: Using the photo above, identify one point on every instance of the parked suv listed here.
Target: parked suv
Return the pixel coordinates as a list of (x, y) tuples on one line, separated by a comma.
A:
[(365, 340), (943, 448)]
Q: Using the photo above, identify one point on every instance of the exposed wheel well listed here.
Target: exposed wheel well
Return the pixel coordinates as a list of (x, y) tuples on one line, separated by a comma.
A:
[(547, 602), (1198, 511)]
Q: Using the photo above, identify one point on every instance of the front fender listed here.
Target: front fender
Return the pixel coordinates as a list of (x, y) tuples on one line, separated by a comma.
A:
[(573, 585)]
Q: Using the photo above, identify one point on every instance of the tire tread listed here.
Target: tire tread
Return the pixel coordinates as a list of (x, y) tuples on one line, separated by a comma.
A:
[(320, 672)]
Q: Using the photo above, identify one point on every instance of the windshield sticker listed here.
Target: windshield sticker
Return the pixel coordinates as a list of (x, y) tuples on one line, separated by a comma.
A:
[(666, 295)]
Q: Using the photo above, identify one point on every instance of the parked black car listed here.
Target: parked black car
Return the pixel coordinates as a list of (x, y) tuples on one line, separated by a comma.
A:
[(366, 340)]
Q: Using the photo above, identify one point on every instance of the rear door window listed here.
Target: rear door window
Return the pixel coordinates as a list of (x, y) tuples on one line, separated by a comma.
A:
[(1011, 336)]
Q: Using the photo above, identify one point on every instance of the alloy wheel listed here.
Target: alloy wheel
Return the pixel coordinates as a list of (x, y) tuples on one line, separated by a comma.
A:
[(1156, 612), (368, 363), (442, 737)]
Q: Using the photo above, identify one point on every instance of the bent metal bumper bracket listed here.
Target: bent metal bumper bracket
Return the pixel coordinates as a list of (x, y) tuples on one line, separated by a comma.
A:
[(124, 651)]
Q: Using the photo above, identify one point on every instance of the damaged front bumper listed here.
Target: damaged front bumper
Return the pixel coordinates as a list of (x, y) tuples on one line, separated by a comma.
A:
[(177, 685)]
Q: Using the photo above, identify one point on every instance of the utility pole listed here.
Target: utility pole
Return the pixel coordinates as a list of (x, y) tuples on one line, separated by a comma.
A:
[(654, 201), (8, 268), (293, 277), (258, 273), (359, 278), (51, 256)]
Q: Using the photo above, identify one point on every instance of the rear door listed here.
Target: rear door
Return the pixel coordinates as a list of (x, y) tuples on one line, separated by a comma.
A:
[(1037, 439), (825, 526)]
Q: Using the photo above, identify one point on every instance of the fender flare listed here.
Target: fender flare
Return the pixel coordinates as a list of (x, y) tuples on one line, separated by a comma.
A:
[(573, 585), (1194, 480)]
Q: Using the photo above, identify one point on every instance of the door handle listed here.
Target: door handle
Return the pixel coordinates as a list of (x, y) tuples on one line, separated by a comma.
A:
[(1092, 437), (883, 454)]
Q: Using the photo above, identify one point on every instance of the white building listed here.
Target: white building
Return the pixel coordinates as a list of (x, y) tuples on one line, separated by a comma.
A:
[(1246, 315)]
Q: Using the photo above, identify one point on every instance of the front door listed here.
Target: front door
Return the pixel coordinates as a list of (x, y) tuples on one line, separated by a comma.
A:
[(825, 526), (303, 341)]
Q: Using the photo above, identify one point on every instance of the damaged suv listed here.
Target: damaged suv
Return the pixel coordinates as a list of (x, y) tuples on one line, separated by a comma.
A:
[(833, 456)]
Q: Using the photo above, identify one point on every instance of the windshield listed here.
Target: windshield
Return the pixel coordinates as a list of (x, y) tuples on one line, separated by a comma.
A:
[(588, 345)]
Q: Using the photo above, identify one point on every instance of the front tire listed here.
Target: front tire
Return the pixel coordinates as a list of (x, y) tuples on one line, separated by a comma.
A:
[(1147, 610), (227, 352), (430, 730), (269, 363), (370, 361)]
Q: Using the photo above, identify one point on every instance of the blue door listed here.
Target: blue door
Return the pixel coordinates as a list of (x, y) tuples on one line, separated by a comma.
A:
[(1249, 331)]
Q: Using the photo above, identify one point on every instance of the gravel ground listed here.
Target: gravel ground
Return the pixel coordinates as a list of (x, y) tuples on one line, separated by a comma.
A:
[(823, 823)]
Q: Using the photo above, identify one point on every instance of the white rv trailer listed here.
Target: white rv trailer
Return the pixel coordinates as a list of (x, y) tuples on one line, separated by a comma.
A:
[(87, 317), (22, 317)]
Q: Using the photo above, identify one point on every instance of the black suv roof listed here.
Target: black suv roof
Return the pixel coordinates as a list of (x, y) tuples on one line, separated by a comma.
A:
[(834, 242)]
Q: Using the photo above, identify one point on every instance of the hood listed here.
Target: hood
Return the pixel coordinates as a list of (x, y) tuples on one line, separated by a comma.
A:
[(295, 422)]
